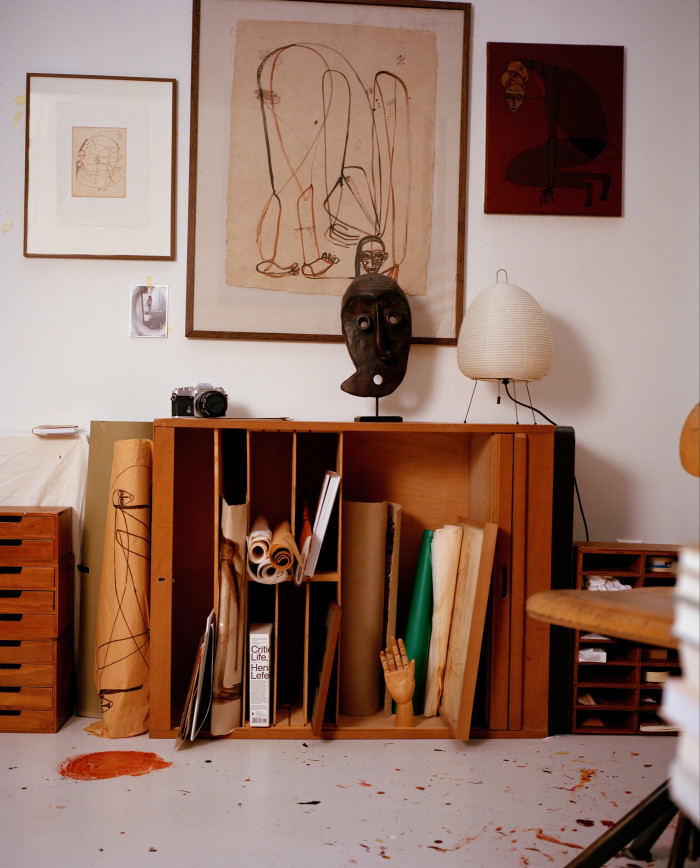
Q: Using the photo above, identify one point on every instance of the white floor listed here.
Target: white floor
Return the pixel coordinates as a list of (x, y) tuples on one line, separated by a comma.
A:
[(325, 804)]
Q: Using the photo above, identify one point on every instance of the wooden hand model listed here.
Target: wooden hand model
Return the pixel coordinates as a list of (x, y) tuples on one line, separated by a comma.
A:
[(399, 677)]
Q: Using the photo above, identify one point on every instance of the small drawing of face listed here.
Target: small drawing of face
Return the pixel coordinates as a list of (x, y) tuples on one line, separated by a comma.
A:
[(372, 255), (513, 80)]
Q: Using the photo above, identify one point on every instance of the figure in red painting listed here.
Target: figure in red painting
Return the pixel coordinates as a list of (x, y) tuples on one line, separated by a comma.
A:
[(576, 131)]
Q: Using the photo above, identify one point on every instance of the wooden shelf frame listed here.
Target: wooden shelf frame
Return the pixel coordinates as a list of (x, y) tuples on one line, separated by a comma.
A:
[(519, 477)]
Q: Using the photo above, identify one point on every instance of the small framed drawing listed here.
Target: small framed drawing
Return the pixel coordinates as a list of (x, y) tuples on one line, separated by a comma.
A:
[(100, 167), (327, 138)]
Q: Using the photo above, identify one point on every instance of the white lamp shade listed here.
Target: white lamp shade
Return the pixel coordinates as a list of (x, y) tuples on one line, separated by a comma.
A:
[(504, 335)]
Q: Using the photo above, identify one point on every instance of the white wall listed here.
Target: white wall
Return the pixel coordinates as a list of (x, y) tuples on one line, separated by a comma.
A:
[(621, 294)]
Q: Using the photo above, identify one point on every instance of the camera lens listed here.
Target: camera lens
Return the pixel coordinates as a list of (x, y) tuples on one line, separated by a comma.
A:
[(211, 403)]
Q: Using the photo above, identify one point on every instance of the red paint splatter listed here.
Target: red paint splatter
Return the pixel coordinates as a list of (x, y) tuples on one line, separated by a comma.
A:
[(110, 764), (587, 776), (364, 784), (552, 840)]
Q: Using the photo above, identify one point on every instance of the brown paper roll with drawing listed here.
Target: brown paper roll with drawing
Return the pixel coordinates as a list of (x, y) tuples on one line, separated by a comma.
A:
[(122, 649)]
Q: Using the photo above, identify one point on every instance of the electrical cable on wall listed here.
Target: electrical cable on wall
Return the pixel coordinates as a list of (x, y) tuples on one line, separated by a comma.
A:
[(552, 422)]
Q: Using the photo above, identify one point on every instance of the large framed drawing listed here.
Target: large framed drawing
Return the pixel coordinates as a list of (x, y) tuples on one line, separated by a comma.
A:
[(100, 167), (327, 138)]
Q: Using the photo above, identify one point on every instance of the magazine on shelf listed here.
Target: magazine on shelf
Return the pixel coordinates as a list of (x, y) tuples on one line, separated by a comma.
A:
[(199, 694), (326, 500)]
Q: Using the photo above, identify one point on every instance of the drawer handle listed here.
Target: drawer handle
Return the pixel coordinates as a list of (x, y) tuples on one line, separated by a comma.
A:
[(15, 519), (10, 712), (10, 643), (10, 594), (10, 571), (10, 542), (14, 666), (11, 617), (9, 689)]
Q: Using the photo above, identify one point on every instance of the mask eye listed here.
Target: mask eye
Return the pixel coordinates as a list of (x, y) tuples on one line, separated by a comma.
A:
[(364, 322), (393, 319)]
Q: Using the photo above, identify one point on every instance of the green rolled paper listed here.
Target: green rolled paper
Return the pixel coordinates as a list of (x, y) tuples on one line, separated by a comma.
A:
[(420, 619)]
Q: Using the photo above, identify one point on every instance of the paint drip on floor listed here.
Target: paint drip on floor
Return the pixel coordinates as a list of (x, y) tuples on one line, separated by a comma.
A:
[(101, 765)]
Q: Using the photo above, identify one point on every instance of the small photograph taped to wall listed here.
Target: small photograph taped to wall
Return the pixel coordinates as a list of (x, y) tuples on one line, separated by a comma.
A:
[(149, 312)]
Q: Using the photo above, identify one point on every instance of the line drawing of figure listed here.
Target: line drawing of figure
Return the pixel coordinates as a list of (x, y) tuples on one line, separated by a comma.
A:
[(576, 130), (130, 623), (100, 163), (324, 184)]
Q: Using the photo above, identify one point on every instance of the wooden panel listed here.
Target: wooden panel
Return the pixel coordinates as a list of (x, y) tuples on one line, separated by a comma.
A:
[(161, 577), (27, 577), (26, 674), (27, 551), (26, 697), (538, 576), (26, 601), (26, 651), (467, 627), (23, 526), (18, 625), (27, 720), (518, 578), (502, 515)]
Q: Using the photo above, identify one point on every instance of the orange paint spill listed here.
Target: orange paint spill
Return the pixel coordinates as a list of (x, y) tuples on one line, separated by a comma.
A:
[(542, 837), (101, 765), (587, 776)]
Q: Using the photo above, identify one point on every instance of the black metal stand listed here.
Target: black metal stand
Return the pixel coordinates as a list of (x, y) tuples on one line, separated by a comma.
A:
[(637, 832), (377, 417)]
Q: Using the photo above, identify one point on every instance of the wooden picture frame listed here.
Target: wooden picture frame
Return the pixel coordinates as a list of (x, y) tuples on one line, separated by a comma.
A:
[(278, 207), (100, 167)]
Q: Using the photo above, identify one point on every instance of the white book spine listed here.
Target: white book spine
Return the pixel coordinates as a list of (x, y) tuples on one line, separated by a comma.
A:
[(260, 673)]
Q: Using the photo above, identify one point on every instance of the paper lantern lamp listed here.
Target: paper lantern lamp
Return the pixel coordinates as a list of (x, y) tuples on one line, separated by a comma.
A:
[(505, 335)]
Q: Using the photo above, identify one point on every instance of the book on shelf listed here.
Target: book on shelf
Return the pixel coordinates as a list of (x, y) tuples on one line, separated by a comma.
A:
[(198, 701), (260, 673), (326, 500)]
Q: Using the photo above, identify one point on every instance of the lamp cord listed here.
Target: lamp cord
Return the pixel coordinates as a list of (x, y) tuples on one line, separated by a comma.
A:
[(552, 422)]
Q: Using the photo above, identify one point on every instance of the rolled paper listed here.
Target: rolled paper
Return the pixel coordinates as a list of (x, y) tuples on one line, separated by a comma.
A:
[(420, 616), (445, 557), (268, 574), (259, 540), (258, 544), (284, 553), (228, 659), (363, 568)]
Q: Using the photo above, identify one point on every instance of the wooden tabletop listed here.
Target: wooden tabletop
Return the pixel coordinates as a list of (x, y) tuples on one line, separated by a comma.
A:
[(639, 615)]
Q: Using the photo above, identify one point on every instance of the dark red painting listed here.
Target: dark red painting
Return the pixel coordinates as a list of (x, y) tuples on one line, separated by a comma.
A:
[(554, 129)]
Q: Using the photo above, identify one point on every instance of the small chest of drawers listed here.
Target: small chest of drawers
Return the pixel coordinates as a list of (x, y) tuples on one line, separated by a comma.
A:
[(36, 618)]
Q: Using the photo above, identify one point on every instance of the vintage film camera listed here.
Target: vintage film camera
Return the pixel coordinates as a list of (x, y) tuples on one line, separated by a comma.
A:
[(200, 400)]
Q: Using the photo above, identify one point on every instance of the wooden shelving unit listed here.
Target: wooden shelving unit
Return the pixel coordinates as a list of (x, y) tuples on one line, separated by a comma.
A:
[(519, 477), (36, 618), (621, 694)]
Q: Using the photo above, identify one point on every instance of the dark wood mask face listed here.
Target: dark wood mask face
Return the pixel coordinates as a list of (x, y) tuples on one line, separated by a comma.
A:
[(376, 320)]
